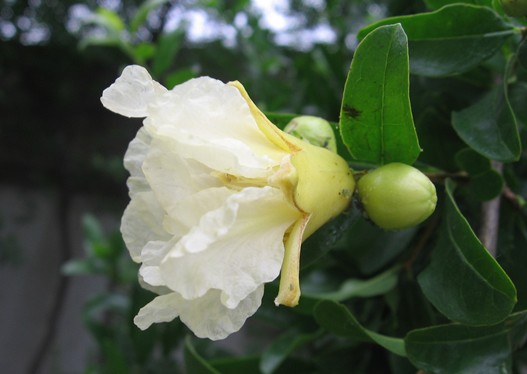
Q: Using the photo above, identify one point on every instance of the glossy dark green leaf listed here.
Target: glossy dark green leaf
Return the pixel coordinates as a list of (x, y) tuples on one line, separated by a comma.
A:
[(489, 126), (438, 140), (522, 53), (460, 349), (487, 186), (375, 286), (142, 12), (282, 347), (472, 162), (375, 117), (372, 248), (516, 324), (436, 4), (451, 40), (194, 363), (512, 241), (463, 281), (337, 319), (318, 244), (518, 98), (167, 49)]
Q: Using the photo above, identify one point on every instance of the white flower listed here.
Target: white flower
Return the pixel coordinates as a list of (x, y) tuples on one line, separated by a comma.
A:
[(215, 188)]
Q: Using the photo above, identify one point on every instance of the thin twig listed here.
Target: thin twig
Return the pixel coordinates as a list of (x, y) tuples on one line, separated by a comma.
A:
[(490, 218), (442, 175), (512, 199), (422, 241)]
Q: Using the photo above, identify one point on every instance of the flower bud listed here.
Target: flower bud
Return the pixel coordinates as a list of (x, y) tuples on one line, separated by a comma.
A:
[(514, 8), (397, 196), (313, 130)]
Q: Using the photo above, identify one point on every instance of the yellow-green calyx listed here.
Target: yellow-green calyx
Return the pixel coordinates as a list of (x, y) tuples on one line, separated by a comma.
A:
[(313, 130), (397, 196), (514, 8), (314, 181)]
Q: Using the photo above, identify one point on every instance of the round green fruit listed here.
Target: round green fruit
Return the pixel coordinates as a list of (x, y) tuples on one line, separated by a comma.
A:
[(514, 8), (397, 196)]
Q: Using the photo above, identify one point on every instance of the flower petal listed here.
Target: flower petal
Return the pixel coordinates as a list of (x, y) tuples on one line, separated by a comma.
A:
[(132, 92), (235, 248), (206, 316), (189, 211), (133, 162), (173, 178), (212, 123), (142, 222)]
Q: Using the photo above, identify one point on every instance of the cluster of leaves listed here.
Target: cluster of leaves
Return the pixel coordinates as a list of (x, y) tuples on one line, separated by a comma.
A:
[(431, 298)]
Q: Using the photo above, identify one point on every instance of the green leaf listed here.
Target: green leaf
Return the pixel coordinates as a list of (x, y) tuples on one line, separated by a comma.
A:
[(238, 365), (375, 286), (489, 126), (438, 140), (487, 186), (518, 98), (464, 281), (83, 266), (517, 326), (375, 118), (144, 50), (437, 4), (93, 232), (167, 49), (180, 76), (111, 18), (97, 41), (322, 240), (513, 257), (194, 363), (337, 319), (114, 360), (451, 40), (371, 247), (460, 349), (282, 347), (522, 53), (472, 162), (142, 12)]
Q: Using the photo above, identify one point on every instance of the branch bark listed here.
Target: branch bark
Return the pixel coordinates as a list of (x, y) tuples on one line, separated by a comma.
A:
[(490, 218)]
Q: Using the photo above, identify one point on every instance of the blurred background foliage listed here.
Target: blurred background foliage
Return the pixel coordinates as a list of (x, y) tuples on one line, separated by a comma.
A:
[(293, 56)]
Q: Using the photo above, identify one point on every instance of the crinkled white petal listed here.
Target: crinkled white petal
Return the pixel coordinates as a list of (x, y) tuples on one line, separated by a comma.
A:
[(136, 153), (173, 178), (151, 256), (133, 162), (235, 248), (160, 290), (186, 215), (206, 316), (142, 222), (188, 212), (132, 92), (212, 123)]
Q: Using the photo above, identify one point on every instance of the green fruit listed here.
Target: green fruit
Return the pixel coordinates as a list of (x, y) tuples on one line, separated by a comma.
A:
[(514, 8), (397, 196)]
